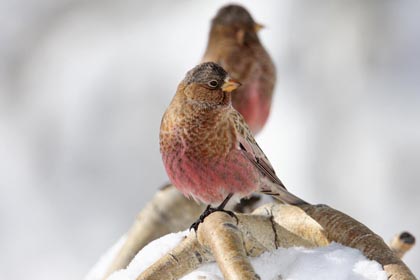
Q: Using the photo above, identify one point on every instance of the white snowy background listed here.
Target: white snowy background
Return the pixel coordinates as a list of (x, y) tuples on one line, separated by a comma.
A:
[(83, 85)]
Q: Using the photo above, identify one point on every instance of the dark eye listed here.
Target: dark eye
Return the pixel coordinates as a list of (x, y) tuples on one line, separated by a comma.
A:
[(213, 83)]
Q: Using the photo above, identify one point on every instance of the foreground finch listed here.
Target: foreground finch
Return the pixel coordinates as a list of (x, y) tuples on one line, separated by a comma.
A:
[(234, 44), (207, 148)]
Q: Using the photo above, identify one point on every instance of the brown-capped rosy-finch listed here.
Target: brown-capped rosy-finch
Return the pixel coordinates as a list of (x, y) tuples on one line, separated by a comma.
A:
[(234, 44), (208, 149)]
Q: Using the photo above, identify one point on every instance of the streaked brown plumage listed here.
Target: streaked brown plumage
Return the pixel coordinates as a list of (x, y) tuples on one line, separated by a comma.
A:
[(234, 44), (207, 148)]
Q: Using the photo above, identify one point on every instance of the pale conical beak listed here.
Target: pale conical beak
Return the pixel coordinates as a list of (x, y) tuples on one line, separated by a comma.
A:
[(258, 27), (230, 85)]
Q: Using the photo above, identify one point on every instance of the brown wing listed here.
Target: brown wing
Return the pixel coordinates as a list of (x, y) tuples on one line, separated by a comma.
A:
[(253, 152)]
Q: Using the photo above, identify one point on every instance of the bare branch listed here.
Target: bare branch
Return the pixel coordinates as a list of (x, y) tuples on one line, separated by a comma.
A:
[(402, 243), (338, 227), (184, 258), (168, 211), (223, 238), (270, 226)]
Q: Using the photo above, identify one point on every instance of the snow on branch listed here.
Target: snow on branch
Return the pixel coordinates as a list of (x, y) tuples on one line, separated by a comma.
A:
[(220, 238), (168, 211), (269, 227)]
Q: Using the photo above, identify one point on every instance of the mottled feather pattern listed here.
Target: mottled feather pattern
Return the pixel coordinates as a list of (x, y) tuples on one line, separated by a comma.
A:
[(196, 147), (210, 152)]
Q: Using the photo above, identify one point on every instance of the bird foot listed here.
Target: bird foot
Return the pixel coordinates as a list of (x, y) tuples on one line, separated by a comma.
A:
[(208, 211)]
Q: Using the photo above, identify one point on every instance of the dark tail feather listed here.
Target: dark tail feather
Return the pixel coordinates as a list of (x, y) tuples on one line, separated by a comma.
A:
[(280, 193)]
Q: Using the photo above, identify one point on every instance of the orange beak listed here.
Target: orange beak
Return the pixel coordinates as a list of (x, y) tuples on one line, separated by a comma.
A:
[(230, 85), (258, 27)]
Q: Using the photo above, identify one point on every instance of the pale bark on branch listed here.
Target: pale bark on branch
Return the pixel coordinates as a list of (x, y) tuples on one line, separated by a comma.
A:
[(168, 211), (402, 243), (269, 227)]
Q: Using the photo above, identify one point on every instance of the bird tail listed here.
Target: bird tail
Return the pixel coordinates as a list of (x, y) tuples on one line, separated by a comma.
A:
[(279, 192)]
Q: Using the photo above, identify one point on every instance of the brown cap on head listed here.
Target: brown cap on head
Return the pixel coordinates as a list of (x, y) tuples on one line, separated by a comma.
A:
[(205, 72), (234, 15), (207, 85), (212, 75)]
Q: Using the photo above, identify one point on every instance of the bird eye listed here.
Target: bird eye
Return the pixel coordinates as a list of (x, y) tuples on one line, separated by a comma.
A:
[(213, 83)]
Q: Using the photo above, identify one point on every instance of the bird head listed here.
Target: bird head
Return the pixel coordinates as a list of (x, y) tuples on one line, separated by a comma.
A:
[(208, 85), (236, 20)]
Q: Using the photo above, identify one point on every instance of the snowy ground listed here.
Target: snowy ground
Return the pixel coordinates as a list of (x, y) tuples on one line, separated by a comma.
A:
[(332, 262)]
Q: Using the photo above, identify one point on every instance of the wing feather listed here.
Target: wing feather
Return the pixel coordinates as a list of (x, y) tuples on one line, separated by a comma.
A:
[(250, 149)]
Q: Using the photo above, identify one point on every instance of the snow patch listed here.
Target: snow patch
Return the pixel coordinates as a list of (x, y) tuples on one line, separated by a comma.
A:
[(334, 261)]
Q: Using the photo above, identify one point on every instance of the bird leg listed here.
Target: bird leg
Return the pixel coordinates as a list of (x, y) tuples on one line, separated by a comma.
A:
[(210, 210)]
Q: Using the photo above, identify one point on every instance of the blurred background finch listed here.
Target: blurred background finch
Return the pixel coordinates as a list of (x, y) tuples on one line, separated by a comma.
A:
[(234, 44)]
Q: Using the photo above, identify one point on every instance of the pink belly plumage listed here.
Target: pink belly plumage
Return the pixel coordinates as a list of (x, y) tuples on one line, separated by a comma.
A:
[(253, 106), (210, 180)]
